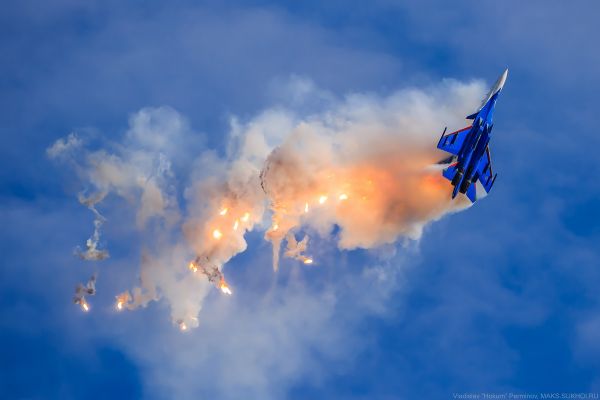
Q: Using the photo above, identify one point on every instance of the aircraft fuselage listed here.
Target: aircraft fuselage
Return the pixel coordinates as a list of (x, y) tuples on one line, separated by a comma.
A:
[(474, 148)]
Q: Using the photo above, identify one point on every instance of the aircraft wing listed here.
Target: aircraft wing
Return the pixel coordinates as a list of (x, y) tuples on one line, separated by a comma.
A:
[(486, 174), (452, 142)]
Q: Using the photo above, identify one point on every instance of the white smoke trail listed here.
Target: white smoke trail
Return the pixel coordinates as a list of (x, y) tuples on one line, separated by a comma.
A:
[(362, 164), (297, 249), (92, 253)]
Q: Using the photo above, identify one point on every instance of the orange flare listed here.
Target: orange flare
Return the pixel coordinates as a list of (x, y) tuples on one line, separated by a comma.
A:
[(217, 234), (246, 217), (235, 226), (223, 212), (122, 299), (343, 196), (224, 288), (322, 199), (193, 267), (308, 261), (305, 207)]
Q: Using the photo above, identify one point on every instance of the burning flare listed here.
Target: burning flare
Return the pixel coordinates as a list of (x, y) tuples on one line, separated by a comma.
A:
[(212, 272), (224, 287), (81, 291), (122, 300), (182, 326), (193, 267)]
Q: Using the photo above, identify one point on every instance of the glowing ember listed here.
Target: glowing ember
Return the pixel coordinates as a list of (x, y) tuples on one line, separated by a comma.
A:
[(308, 261), (223, 212), (193, 267), (246, 217), (275, 227), (343, 196), (217, 234), (183, 326), (122, 301), (305, 207), (224, 288), (322, 199), (235, 226), (84, 306)]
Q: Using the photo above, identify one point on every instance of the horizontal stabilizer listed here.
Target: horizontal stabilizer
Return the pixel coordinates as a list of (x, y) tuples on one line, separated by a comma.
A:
[(487, 183), (472, 192)]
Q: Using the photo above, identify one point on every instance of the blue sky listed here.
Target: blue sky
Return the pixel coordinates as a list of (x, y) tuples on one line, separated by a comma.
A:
[(502, 297)]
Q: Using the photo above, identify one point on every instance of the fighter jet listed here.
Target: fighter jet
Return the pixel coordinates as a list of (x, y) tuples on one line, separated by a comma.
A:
[(470, 169), (81, 291)]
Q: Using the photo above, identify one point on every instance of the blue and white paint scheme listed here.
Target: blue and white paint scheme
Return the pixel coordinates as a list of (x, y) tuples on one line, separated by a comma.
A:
[(470, 166)]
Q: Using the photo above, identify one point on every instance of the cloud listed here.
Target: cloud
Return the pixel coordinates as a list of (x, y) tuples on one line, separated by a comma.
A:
[(63, 146)]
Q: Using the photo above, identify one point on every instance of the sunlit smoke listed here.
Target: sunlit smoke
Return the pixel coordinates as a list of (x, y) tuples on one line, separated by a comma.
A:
[(361, 167), (297, 249)]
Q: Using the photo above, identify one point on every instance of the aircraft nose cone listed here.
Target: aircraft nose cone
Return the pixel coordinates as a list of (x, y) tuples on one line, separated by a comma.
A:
[(502, 79)]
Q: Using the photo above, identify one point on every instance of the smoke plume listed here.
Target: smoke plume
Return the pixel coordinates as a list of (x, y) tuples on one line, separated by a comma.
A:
[(360, 166), (92, 253)]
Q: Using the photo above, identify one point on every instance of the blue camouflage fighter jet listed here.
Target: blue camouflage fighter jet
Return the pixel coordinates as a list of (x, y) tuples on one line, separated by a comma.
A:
[(470, 169)]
